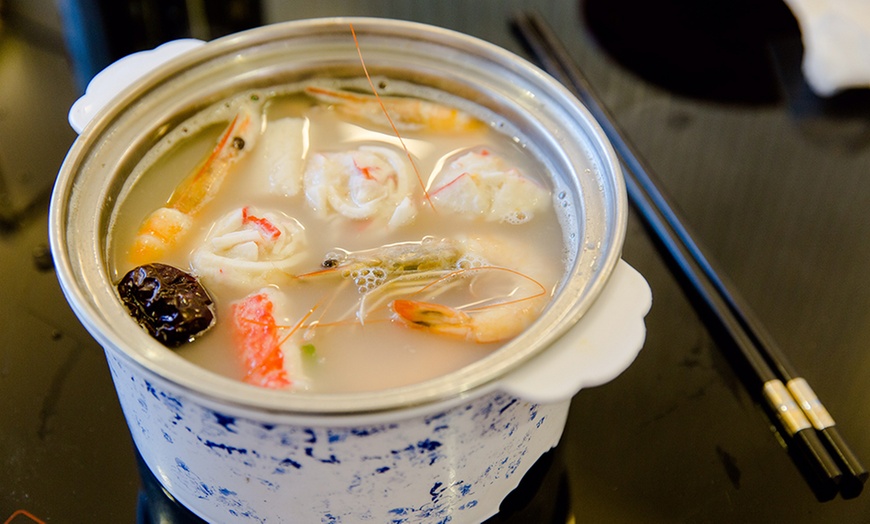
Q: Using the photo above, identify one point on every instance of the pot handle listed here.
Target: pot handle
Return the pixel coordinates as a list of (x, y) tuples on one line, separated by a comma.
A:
[(600, 346), (120, 74)]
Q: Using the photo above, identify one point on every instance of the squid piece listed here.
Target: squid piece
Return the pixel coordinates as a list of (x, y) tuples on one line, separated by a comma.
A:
[(280, 159), (363, 184), (250, 248), (481, 184)]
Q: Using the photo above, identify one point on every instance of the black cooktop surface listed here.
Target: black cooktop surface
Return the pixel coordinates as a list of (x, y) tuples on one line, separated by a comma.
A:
[(772, 179)]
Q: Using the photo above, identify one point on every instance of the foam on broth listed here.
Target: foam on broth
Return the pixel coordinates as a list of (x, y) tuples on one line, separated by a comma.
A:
[(347, 355)]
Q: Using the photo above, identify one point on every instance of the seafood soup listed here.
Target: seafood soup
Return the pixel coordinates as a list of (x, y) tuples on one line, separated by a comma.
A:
[(317, 237)]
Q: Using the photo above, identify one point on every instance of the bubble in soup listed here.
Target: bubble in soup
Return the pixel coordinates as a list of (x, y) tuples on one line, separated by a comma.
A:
[(340, 257)]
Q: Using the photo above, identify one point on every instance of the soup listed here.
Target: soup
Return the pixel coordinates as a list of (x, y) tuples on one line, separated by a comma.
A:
[(343, 250)]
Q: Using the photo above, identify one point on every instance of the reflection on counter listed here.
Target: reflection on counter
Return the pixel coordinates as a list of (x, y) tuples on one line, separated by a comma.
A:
[(34, 87), (125, 27), (718, 51)]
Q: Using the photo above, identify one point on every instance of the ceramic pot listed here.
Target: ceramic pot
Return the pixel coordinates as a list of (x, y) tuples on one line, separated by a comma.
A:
[(448, 449)]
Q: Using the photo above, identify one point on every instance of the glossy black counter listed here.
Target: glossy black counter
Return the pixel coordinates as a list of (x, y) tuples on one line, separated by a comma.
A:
[(773, 181)]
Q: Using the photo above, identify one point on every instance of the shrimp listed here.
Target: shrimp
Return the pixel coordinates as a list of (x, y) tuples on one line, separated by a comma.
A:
[(165, 226), (493, 302), (267, 360), (493, 319), (407, 113), (385, 271), (369, 269)]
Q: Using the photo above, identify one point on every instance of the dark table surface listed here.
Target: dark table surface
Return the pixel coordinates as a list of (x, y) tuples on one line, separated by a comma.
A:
[(774, 182)]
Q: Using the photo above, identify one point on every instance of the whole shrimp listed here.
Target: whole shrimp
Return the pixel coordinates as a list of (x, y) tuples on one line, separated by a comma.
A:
[(419, 273), (407, 113), (167, 225)]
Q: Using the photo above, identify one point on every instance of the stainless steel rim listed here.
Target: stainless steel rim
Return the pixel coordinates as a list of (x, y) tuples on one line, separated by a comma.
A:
[(91, 178)]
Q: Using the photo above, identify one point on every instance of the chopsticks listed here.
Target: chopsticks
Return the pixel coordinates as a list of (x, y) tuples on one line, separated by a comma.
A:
[(800, 413)]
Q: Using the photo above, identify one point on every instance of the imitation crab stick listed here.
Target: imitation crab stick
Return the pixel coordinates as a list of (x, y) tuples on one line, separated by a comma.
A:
[(261, 341)]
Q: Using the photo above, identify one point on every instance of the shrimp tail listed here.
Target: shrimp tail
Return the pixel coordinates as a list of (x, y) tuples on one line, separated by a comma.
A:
[(157, 233)]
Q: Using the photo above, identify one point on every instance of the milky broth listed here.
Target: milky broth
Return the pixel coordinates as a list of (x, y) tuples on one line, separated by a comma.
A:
[(347, 355)]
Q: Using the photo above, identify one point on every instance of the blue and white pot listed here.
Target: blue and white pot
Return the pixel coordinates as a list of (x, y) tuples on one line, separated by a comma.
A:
[(449, 449)]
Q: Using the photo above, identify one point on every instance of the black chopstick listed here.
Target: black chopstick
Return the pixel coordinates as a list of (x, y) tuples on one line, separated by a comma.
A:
[(798, 408)]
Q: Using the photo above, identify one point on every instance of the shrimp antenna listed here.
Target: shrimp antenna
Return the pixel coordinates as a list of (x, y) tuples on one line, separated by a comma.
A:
[(389, 118), (298, 325), (322, 303), (541, 289)]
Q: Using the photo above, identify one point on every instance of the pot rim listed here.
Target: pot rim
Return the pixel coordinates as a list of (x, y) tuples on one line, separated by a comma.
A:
[(84, 276)]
